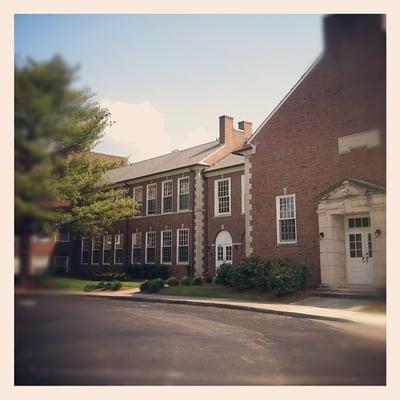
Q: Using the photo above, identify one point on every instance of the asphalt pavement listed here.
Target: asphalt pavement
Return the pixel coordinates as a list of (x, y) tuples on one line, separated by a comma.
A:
[(98, 341)]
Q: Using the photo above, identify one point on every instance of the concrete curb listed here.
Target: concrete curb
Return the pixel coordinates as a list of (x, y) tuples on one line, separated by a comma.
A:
[(317, 314)]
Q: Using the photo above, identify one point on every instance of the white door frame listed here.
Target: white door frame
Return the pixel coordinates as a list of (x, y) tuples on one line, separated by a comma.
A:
[(223, 241), (359, 264)]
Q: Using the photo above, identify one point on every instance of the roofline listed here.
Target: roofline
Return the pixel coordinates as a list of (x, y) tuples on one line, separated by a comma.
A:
[(288, 94), (202, 161)]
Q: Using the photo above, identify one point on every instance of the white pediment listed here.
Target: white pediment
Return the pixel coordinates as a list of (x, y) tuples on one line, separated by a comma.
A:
[(351, 188)]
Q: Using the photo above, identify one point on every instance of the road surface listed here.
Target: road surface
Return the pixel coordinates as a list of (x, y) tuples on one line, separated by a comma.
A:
[(95, 341)]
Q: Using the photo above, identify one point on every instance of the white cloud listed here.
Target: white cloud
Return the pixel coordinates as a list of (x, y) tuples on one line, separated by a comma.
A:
[(139, 131)]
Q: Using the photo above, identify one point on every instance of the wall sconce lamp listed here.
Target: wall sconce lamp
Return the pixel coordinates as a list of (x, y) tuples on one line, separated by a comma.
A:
[(321, 235), (377, 233)]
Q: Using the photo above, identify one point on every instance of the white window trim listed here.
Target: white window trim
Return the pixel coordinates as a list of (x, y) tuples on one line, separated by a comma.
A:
[(177, 246), (155, 247), (147, 198), (82, 239), (278, 210), (104, 249), (178, 192), (115, 248), (67, 265), (133, 197), (161, 248), (242, 192), (92, 253), (132, 247), (162, 196), (216, 213)]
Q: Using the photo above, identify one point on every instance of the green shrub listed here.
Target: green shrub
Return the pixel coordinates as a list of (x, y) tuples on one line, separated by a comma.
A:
[(251, 272), (185, 281), (149, 271), (144, 286), (89, 287), (108, 286), (116, 285), (224, 274), (160, 282), (284, 278), (172, 282), (153, 287), (208, 279), (303, 274), (100, 285), (197, 281)]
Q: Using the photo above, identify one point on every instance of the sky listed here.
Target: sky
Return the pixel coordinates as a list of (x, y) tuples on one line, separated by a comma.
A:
[(167, 78)]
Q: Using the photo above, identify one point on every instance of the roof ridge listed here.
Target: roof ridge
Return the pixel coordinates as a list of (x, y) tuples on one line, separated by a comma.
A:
[(166, 154)]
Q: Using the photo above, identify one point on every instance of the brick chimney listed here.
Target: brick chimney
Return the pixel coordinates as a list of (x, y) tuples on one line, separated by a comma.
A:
[(343, 33), (231, 138)]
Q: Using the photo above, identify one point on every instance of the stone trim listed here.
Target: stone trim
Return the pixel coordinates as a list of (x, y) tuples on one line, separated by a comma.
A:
[(248, 204), (198, 222)]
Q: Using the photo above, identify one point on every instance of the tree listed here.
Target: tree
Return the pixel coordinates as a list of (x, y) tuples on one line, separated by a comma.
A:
[(54, 120)]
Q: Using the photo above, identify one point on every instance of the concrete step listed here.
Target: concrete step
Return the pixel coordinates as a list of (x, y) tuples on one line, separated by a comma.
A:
[(349, 292)]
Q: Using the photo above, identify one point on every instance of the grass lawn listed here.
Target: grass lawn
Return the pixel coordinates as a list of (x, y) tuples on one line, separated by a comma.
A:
[(221, 292), (79, 284)]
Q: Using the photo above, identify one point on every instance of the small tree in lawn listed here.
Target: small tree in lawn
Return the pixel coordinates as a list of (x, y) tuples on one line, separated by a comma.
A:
[(54, 120)]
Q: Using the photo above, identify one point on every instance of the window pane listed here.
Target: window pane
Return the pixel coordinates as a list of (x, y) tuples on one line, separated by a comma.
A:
[(287, 230), (369, 245)]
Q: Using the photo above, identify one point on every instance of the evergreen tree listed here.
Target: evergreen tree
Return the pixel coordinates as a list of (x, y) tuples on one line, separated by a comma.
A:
[(55, 125)]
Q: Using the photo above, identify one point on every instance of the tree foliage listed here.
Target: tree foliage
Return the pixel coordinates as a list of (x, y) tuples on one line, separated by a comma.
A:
[(56, 123)]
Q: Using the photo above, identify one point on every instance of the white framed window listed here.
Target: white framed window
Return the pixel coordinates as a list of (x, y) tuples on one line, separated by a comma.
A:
[(150, 253), (183, 193), (167, 191), (118, 248), (222, 196), (61, 263), (96, 249), (85, 250), (182, 246), (151, 198), (62, 233), (166, 247), (136, 247), (137, 195), (242, 192), (107, 241), (286, 218)]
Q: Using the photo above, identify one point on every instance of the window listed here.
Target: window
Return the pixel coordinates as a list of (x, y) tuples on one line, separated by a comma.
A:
[(151, 198), (96, 248), (107, 249), (85, 250), (136, 247), (166, 247), (61, 263), (286, 218), (62, 233), (137, 195), (243, 191), (355, 241), (183, 193), (362, 222), (183, 246), (167, 188), (223, 196), (118, 248), (150, 257)]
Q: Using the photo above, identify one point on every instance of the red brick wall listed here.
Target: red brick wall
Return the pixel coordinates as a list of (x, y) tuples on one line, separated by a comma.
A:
[(298, 147), (234, 223)]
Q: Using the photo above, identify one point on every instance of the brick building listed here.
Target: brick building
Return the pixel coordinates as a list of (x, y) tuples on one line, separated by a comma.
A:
[(308, 186), (315, 168)]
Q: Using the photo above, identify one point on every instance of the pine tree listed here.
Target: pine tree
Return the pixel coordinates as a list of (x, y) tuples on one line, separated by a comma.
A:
[(55, 125)]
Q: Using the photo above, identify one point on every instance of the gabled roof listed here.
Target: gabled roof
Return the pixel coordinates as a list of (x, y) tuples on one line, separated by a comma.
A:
[(167, 162), (231, 160)]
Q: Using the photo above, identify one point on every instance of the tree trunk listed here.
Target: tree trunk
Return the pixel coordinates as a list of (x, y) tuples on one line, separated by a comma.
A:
[(25, 252)]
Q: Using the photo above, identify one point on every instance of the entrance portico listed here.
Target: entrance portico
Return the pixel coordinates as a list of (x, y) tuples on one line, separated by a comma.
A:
[(352, 231)]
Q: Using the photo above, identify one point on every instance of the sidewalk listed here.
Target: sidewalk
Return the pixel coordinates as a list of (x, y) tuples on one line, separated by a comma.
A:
[(321, 312)]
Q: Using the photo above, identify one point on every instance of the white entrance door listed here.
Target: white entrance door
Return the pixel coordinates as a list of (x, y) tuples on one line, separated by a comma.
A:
[(223, 249), (359, 257)]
